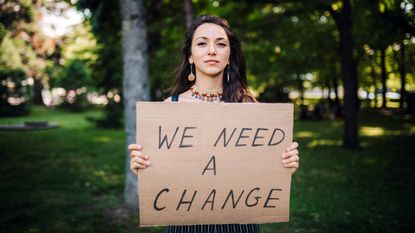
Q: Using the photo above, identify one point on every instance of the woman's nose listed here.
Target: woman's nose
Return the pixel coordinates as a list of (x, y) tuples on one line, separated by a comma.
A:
[(212, 49)]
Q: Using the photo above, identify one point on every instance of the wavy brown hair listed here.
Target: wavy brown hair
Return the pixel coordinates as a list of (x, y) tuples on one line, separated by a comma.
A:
[(236, 90)]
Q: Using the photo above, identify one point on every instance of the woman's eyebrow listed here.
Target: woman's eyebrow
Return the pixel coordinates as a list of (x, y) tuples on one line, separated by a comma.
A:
[(205, 38)]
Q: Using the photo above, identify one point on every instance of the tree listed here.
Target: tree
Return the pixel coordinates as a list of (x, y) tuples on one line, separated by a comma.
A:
[(75, 79), (188, 12), (107, 69), (402, 73), (341, 13), (135, 79), (11, 86), (343, 19), (14, 82)]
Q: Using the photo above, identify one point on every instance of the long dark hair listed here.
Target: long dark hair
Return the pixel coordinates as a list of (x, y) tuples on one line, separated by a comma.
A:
[(236, 90)]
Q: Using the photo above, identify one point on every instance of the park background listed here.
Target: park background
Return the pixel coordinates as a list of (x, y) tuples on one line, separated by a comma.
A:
[(347, 65)]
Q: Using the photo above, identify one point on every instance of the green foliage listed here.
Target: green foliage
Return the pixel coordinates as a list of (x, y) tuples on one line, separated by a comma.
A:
[(12, 11), (10, 57), (80, 44), (281, 41), (12, 78), (106, 70), (75, 79), (75, 75), (106, 26), (3, 32), (14, 92), (113, 116)]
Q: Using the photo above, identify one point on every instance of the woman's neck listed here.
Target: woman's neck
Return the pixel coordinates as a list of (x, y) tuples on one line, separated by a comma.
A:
[(209, 82)]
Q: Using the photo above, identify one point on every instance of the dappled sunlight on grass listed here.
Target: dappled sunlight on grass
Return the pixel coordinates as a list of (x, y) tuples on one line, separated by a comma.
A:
[(102, 139), (304, 134), (372, 131), (99, 173), (63, 118), (325, 173), (323, 142), (411, 128), (370, 161)]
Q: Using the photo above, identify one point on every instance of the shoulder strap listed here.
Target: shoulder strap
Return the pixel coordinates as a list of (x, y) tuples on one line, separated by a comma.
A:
[(175, 98)]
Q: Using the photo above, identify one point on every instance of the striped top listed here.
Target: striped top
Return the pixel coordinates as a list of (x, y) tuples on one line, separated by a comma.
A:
[(217, 228), (224, 228)]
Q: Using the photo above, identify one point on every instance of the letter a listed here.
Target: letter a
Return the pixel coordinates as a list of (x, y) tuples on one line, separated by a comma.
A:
[(212, 168)]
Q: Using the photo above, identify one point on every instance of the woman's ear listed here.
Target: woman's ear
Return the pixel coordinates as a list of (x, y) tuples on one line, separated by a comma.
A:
[(190, 59)]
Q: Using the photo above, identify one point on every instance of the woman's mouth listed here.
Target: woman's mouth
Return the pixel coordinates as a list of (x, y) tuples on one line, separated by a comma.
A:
[(211, 61)]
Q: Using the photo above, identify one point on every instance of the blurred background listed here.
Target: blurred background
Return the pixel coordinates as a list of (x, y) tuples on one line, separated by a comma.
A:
[(347, 65)]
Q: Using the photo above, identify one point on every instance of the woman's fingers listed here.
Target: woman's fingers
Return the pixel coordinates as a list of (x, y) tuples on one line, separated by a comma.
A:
[(291, 165), (141, 161), (135, 147), (291, 158), (135, 166), (293, 146), (289, 154), (136, 153), (294, 158), (138, 163), (138, 160)]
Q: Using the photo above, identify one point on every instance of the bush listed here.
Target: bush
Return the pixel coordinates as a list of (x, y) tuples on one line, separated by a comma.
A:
[(75, 78), (113, 115), (12, 87)]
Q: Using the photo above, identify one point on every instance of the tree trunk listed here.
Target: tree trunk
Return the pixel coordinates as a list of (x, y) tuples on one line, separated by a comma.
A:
[(37, 92), (335, 84), (329, 100), (300, 84), (373, 73), (348, 69), (383, 75), (336, 91), (135, 80), (402, 73), (188, 12)]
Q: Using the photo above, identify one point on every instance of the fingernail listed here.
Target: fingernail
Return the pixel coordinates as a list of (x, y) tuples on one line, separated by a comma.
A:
[(148, 163)]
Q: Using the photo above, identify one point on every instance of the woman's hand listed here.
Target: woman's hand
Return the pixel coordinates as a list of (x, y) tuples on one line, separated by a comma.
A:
[(291, 159), (137, 159)]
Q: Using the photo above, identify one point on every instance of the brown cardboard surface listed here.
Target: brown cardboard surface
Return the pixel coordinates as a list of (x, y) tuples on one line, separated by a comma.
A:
[(240, 182)]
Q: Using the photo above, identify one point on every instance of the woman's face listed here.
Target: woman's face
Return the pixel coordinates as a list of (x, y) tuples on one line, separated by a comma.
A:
[(210, 50)]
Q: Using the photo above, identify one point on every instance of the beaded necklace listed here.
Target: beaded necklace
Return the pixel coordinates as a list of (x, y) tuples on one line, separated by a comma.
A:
[(207, 95)]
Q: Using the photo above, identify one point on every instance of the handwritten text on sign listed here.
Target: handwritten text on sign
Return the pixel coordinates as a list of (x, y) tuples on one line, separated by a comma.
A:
[(214, 163)]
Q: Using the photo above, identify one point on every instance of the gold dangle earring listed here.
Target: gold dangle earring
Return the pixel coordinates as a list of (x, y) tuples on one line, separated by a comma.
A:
[(191, 76), (228, 73)]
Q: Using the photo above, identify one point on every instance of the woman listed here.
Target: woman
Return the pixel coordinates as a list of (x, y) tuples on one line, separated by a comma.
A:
[(212, 69)]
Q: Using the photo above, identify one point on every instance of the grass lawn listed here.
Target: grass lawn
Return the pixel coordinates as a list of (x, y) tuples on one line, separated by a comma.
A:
[(70, 179)]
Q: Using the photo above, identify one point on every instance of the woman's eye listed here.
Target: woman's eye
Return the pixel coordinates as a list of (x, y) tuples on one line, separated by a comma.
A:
[(201, 43), (222, 44)]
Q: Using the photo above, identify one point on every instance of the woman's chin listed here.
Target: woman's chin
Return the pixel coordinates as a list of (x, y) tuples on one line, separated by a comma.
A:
[(212, 73)]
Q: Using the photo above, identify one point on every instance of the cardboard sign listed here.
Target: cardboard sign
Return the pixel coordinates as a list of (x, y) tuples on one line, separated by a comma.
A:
[(214, 163)]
